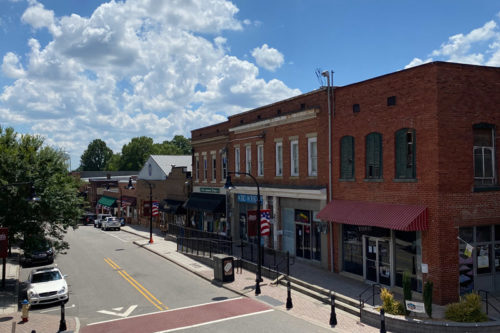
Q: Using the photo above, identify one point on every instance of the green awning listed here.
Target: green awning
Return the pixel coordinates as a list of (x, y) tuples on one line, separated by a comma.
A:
[(106, 201)]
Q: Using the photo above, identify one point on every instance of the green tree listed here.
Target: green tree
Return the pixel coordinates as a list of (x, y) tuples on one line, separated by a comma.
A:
[(135, 153), (114, 163), (183, 145), (27, 165), (96, 157)]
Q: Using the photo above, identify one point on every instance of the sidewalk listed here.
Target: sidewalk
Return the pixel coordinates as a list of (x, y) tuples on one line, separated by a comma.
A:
[(244, 284), (9, 314)]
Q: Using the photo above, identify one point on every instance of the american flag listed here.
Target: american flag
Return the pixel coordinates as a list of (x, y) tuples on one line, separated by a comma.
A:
[(155, 210), (265, 222)]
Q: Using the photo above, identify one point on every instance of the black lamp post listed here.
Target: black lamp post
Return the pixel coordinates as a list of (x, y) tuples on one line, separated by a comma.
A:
[(229, 186), (150, 212)]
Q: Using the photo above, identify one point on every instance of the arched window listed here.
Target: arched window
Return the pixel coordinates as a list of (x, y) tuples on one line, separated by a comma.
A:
[(405, 154), (347, 157), (374, 156)]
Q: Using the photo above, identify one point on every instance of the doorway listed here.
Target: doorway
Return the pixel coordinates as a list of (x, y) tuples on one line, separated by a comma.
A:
[(377, 260)]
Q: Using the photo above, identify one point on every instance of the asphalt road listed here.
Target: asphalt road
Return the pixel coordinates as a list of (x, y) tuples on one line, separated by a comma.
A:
[(116, 286)]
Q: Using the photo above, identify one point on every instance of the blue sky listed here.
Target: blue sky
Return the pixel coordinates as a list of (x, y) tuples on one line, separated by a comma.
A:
[(76, 70)]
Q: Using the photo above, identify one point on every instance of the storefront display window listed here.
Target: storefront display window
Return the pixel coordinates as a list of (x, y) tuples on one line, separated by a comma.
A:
[(483, 259), (407, 259), (483, 234), (352, 250)]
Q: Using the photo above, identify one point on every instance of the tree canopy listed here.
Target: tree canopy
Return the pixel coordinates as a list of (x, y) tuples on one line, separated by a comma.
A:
[(29, 169), (96, 157)]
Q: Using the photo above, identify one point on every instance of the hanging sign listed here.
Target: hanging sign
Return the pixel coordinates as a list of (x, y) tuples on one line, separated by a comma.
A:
[(468, 250)]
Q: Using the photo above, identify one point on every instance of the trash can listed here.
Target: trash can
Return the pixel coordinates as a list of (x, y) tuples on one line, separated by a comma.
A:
[(223, 268)]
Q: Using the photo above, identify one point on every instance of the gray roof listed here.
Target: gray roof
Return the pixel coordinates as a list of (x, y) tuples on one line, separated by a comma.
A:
[(166, 162)]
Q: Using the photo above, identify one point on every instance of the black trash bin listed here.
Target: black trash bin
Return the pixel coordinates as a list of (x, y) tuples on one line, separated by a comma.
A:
[(223, 268)]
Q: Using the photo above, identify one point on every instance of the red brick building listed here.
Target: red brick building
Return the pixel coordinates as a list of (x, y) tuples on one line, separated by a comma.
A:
[(413, 174), (415, 166)]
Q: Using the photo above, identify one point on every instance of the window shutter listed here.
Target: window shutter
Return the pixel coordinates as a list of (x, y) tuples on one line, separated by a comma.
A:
[(374, 155), (401, 152), (347, 158)]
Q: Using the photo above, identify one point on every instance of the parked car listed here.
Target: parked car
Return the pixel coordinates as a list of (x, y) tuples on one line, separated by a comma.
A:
[(110, 223), (47, 285), (88, 218), (99, 219), (37, 252)]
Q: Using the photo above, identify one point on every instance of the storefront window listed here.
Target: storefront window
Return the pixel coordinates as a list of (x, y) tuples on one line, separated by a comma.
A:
[(483, 234), (466, 234), (352, 249), (483, 259), (497, 257), (406, 258)]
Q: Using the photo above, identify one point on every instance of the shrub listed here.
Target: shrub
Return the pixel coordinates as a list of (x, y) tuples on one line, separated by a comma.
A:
[(429, 285), (389, 304), (406, 289), (467, 310)]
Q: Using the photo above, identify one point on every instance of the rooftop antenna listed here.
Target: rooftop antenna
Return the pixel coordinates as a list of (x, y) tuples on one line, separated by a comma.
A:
[(320, 76)]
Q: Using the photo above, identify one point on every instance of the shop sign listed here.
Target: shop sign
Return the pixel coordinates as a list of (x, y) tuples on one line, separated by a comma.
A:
[(209, 190), (415, 306), (248, 198)]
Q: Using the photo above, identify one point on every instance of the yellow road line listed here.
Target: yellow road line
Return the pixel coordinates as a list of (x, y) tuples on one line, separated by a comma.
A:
[(144, 292)]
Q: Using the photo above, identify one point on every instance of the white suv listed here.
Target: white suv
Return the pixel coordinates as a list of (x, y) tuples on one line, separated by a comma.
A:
[(47, 285), (100, 218), (111, 223)]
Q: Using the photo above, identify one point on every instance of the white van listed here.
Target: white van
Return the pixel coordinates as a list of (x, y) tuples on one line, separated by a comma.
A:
[(99, 219)]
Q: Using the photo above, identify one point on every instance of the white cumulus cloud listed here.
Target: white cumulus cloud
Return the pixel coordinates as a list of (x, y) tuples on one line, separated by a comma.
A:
[(268, 57), (132, 68)]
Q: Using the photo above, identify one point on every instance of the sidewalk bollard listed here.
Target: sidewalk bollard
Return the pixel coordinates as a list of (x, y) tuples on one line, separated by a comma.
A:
[(62, 323), (382, 321), (333, 315), (289, 304), (25, 310)]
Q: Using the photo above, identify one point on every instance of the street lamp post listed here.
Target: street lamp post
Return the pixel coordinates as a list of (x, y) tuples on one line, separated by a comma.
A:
[(150, 211), (229, 186)]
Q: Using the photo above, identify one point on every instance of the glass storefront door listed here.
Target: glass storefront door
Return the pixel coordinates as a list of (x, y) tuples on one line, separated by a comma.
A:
[(377, 260)]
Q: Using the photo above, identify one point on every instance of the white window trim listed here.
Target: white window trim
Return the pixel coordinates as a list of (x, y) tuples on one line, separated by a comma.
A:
[(260, 160), (312, 172), (292, 164), (223, 171), (237, 161), (279, 159)]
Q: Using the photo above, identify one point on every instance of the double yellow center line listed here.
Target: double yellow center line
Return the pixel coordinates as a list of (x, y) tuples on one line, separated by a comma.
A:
[(144, 292)]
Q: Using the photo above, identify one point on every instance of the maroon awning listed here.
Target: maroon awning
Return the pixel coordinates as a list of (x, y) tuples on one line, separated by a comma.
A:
[(128, 201), (376, 214)]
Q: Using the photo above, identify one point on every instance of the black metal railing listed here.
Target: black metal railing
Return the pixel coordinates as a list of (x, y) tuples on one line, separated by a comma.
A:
[(182, 231), (375, 288), (276, 262), (486, 299)]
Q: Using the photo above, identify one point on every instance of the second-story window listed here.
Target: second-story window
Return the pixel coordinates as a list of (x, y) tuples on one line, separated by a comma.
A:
[(405, 154), (374, 156), (294, 158), (205, 168), (224, 166), (312, 156), (347, 157), (484, 155), (237, 160), (197, 168), (260, 160), (248, 159), (214, 167), (279, 159)]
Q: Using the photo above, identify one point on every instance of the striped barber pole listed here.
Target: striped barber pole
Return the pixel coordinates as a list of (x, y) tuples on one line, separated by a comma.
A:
[(156, 206), (265, 222)]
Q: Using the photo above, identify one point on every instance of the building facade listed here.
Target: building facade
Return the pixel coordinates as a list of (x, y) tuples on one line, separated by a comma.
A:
[(416, 179)]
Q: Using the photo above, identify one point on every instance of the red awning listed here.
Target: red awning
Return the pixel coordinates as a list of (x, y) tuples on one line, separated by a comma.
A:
[(376, 214), (128, 201)]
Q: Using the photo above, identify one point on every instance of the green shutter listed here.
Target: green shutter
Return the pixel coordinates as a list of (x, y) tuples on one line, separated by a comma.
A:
[(347, 157), (405, 165), (374, 155)]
